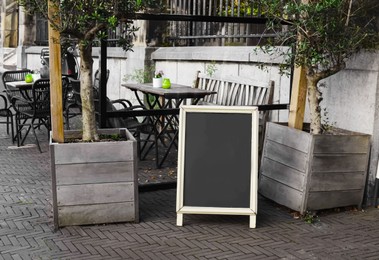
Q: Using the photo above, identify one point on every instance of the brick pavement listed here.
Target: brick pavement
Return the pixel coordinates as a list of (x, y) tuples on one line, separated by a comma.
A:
[(26, 226)]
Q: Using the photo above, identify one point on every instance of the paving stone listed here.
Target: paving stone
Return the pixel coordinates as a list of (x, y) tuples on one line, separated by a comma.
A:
[(26, 224)]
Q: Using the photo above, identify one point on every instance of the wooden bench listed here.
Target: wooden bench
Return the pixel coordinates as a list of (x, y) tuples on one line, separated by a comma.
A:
[(235, 90), (238, 91)]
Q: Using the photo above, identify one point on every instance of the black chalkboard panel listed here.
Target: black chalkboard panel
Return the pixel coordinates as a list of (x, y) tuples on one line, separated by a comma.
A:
[(217, 164), (217, 161)]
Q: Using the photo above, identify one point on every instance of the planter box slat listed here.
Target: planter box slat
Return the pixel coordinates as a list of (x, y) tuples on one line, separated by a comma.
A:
[(335, 168), (96, 214), (281, 134), (288, 176), (94, 193), (341, 144), (325, 200), (91, 152), (280, 193), (286, 155), (94, 173), (339, 163), (327, 181)]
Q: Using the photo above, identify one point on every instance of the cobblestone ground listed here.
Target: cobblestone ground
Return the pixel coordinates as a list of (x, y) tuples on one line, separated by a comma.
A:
[(26, 226)]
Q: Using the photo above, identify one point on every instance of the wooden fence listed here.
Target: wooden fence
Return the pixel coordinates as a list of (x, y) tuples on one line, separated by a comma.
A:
[(191, 33), (215, 33)]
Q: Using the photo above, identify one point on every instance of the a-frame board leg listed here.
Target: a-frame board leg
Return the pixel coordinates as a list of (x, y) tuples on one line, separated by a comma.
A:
[(179, 219), (253, 221)]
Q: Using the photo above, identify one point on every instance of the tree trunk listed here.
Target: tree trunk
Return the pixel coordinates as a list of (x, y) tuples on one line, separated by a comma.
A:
[(86, 93), (314, 98)]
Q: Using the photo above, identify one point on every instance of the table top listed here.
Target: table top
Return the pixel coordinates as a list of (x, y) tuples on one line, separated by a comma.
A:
[(20, 84), (176, 91)]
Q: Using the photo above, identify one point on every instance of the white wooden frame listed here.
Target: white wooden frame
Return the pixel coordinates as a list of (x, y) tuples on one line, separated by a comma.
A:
[(252, 210)]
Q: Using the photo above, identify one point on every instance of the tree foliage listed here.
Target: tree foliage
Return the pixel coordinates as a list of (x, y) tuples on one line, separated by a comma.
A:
[(324, 34)]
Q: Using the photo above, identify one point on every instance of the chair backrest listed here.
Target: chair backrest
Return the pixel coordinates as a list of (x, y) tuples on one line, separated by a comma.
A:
[(10, 76), (14, 75), (75, 88), (96, 81), (41, 96), (235, 90)]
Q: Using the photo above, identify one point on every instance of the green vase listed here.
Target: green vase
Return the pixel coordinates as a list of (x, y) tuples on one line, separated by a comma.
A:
[(166, 83)]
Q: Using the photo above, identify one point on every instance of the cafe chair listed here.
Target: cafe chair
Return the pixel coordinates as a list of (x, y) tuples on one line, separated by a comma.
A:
[(14, 75), (96, 80), (34, 112), (10, 76), (5, 112), (142, 128), (73, 103)]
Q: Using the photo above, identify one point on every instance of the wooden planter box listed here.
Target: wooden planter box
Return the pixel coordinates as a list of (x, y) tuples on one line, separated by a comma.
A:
[(94, 183), (312, 172)]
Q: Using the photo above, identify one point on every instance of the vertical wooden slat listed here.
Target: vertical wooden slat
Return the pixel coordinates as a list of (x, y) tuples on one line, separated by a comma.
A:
[(298, 98), (298, 95), (55, 80)]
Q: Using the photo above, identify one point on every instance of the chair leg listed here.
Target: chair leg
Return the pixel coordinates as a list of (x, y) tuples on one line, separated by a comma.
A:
[(67, 120), (138, 138), (35, 136), (12, 128), (18, 131)]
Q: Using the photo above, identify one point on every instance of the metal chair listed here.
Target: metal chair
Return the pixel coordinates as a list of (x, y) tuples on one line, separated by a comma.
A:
[(141, 128), (34, 112), (5, 112), (6, 109), (73, 103)]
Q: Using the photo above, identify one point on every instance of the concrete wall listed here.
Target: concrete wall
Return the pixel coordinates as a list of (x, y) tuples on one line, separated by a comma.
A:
[(351, 98), (350, 95)]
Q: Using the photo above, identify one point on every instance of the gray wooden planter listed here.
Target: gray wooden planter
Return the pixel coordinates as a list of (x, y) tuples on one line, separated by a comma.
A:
[(94, 183), (312, 172)]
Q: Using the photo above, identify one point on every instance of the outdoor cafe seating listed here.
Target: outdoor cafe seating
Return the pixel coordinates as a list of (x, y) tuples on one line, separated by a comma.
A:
[(6, 114), (29, 103), (32, 110), (140, 127), (7, 77)]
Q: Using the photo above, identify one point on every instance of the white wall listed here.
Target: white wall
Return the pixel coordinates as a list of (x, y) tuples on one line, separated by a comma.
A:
[(350, 95), (180, 64), (349, 98)]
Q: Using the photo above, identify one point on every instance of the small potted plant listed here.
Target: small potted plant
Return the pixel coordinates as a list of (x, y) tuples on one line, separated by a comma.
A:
[(157, 80)]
